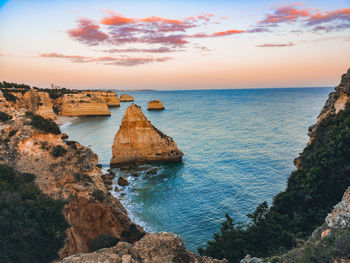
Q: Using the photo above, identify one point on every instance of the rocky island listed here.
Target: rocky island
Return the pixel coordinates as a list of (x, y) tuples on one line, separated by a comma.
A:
[(138, 141), (155, 105), (126, 98)]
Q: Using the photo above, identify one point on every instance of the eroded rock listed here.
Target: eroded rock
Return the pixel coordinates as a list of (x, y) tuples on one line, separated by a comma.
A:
[(138, 141)]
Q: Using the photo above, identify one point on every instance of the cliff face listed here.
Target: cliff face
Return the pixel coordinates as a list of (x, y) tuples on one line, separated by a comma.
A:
[(81, 104), (153, 248), (67, 172), (138, 141), (336, 102), (108, 97), (84, 103), (35, 101)]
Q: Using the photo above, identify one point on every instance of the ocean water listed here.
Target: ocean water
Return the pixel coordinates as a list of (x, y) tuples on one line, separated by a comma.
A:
[(239, 147)]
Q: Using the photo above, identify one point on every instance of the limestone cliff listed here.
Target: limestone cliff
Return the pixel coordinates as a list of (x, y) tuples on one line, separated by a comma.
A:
[(153, 248), (109, 97), (35, 101), (65, 170), (81, 104), (138, 141), (155, 105)]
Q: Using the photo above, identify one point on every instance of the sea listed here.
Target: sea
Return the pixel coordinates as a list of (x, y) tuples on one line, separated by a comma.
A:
[(238, 145)]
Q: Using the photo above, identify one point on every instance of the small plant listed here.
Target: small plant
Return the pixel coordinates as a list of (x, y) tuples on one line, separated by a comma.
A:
[(58, 151), (99, 195), (4, 116), (102, 241)]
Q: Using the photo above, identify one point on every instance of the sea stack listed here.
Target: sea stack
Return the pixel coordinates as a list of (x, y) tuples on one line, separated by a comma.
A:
[(155, 105), (138, 141), (126, 98)]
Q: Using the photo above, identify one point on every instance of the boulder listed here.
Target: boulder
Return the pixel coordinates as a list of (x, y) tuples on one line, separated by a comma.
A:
[(155, 105), (126, 97), (138, 141), (123, 182)]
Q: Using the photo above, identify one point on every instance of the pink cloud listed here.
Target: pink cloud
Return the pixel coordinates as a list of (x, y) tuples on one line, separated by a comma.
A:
[(141, 50), (277, 45), (88, 32), (120, 61), (285, 14), (340, 14)]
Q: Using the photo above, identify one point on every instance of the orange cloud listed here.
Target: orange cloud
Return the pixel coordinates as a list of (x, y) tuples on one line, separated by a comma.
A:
[(340, 14), (227, 33)]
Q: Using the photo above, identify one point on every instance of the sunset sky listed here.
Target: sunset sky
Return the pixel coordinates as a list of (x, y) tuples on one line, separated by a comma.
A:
[(190, 44)]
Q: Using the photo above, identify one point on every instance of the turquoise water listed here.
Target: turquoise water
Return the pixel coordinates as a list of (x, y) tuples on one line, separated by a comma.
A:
[(239, 148)]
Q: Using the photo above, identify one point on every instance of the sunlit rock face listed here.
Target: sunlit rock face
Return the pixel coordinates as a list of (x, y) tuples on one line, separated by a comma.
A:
[(155, 105), (38, 102), (81, 104), (109, 97), (138, 141), (126, 98)]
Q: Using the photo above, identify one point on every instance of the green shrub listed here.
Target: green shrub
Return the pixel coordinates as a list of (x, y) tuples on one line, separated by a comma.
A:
[(311, 193), (102, 241), (32, 226), (4, 116), (99, 195), (58, 151), (44, 124)]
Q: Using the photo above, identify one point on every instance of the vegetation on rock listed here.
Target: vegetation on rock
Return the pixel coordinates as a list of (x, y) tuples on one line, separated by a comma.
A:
[(58, 151), (311, 192), (32, 226), (4, 116), (43, 124)]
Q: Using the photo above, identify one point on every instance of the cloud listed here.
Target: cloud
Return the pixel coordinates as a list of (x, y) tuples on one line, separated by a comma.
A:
[(217, 34), (88, 32), (227, 33), (119, 61), (277, 45), (331, 28), (258, 30), (285, 14), (141, 50), (329, 16)]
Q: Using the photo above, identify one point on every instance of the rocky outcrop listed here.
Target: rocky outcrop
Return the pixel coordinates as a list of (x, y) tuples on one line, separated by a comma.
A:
[(152, 248), (81, 104), (155, 105), (66, 171), (138, 141), (35, 101), (126, 98), (109, 97)]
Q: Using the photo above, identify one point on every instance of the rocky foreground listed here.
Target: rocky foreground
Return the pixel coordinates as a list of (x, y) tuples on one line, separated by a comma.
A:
[(138, 141)]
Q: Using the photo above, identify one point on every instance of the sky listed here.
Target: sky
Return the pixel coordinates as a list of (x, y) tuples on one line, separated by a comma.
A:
[(163, 44)]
